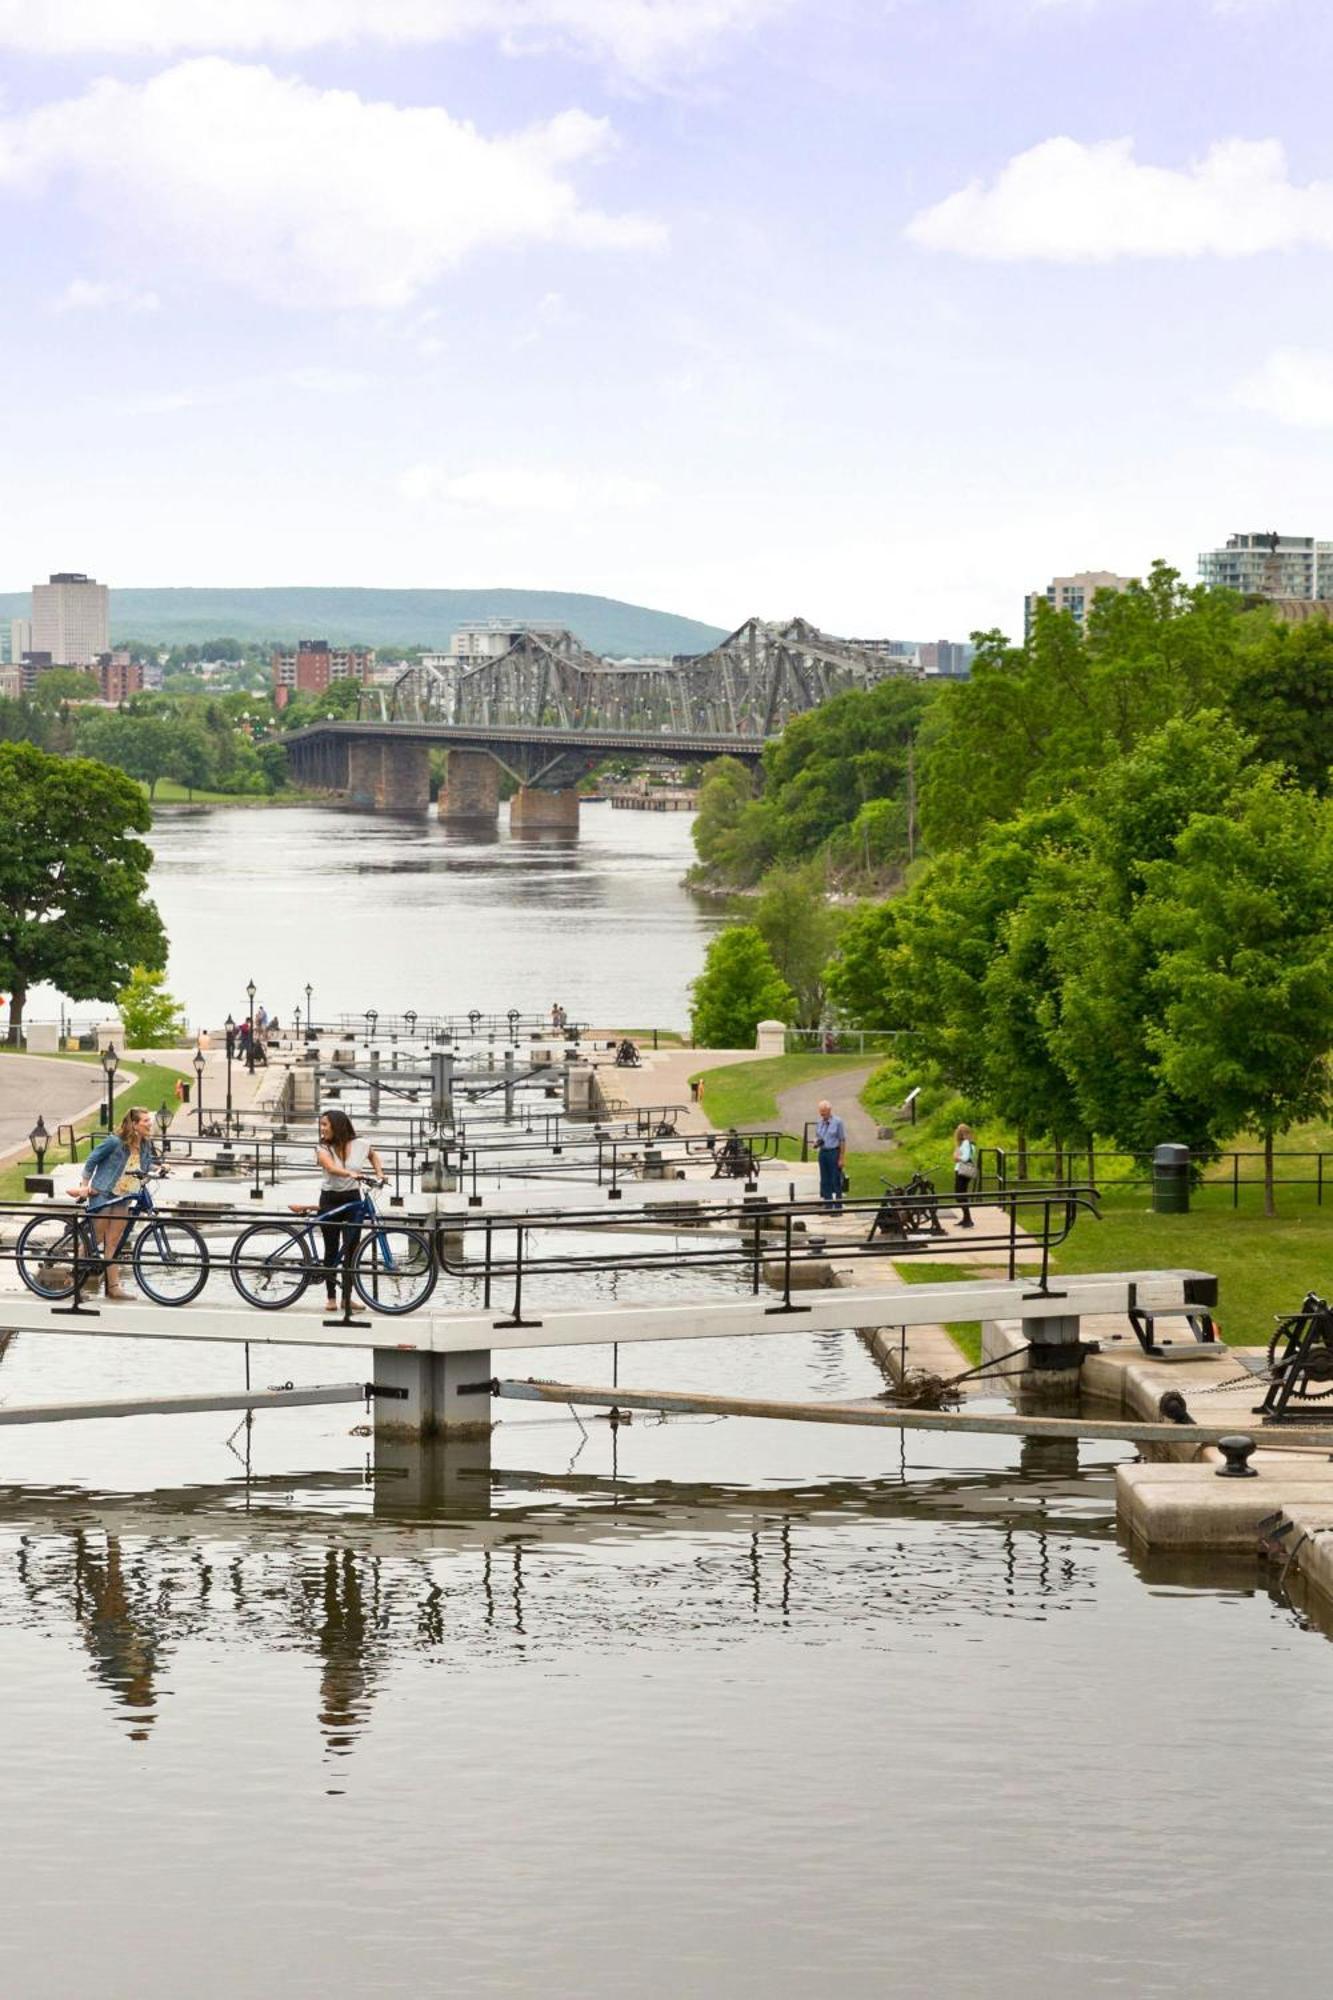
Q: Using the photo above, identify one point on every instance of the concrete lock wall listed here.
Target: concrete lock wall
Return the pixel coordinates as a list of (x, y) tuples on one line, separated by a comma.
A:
[(471, 788), (404, 781), (531, 810)]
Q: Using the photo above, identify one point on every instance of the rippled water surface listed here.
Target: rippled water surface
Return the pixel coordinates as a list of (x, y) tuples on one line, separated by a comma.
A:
[(680, 1709)]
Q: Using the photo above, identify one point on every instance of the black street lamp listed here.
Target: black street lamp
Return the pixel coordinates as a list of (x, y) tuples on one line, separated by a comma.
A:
[(230, 1032), (250, 1038), (162, 1121), (200, 1063), (411, 1019), (309, 1017), (110, 1064), (39, 1139), (372, 1016)]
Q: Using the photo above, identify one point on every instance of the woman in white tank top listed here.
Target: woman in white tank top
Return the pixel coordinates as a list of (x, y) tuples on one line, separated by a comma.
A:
[(344, 1163)]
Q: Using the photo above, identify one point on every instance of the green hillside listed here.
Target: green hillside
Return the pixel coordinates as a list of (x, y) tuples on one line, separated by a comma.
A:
[(385, 617)]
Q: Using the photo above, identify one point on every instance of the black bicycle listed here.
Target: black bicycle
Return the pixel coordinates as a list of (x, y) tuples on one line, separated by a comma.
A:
[(169, 1257)]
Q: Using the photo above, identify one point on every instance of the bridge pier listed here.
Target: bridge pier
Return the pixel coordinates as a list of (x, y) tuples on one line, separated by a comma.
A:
[(534, 811), (432, 1407), (404, 778), (471, 788), (365, 773)]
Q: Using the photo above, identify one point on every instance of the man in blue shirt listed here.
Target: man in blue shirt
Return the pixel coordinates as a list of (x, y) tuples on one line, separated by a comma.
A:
[(831, 1141)]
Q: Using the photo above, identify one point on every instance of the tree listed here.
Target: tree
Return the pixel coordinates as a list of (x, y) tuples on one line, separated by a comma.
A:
[(193, 756), (800, 928), (138, 743), (55, 685), (151, 1018), (738, 988), (726, 796), (855, 979), (73, 879), (1284, 699), (1241, 919)]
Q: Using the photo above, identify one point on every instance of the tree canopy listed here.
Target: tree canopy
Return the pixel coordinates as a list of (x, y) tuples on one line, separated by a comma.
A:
[(738, 988), (73, 878)]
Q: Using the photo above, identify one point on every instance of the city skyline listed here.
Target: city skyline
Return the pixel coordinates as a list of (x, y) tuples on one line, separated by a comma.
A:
[(738, 306)]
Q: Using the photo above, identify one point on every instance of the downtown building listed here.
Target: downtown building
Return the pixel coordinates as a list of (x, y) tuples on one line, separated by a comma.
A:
[(1074, 594), (315, 665), (1284, 569), (71, 619)]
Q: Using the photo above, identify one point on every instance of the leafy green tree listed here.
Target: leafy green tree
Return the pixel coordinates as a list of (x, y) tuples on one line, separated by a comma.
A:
[(137, 743), (73, 879), (855, 978), (800, 928), (1284, 699), (1240, 919), (60, 684), (726, 794), (193, 756), (150, 1016), (738, 988)]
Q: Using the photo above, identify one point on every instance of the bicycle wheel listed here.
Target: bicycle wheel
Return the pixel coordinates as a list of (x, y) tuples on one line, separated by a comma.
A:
[(271, 1265), (170, 1261), (45, 1256), (393, 1270)]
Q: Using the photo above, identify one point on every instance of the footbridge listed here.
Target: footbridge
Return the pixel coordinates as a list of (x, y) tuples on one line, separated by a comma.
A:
[(547, 713)]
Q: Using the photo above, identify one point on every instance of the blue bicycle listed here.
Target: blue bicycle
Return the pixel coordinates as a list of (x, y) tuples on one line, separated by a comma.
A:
[(392, 1267), (168, 1256)]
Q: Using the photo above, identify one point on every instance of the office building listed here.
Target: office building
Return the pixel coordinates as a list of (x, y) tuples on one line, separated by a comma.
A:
[(19, 639), (1073, 594), (315, 665), (1278, 567), (948, 657), (487, 638), (71, 619)]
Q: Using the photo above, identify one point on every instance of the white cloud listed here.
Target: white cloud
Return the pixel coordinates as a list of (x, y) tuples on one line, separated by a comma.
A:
[(1295, 385), (87, 295), (1067, 202), (640, 37), (308, 196), (524, 489)]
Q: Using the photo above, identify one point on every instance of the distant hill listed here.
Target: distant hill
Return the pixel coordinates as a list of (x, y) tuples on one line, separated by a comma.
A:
[(385, 617)]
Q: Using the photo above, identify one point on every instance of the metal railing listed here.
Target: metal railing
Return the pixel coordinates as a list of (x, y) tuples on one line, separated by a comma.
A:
[(846, 1041), (759, 1242), (1229, 1173)]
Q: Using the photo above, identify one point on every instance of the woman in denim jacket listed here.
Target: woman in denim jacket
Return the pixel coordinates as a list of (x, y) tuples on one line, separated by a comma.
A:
[(107, 1186)]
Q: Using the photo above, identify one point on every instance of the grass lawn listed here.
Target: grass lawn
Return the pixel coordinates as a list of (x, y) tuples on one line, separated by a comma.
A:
[(1264, 1268), (154, 1085), (169, 793)]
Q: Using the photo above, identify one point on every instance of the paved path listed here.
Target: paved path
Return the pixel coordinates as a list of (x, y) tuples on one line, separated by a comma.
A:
[(64, 1092), (842, 1087), (664, 1078)]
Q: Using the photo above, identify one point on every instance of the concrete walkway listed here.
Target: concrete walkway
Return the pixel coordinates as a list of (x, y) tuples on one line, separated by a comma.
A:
[(842, 1087), (64, 1092)]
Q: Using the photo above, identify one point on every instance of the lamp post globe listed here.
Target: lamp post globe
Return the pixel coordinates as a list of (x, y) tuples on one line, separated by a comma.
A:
[(250, 1038), (39, 1138), (200, 1062)]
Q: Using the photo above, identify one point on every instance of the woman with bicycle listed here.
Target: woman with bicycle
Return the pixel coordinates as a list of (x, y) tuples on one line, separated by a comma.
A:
[(345, 1162), (108, 1183)]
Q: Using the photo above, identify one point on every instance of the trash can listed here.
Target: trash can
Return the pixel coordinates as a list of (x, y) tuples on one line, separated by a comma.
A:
[(1171, 1180)]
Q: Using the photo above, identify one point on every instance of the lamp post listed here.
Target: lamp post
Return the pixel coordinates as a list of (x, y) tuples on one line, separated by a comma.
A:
[(162, 1121), (110, 1064), (200, 1062), (411, 1019), (309, 1017), (231, 1050), (250, 1038), (372, 1016), (39, 1139)]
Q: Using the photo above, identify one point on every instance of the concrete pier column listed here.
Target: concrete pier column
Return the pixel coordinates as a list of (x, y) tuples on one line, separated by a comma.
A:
[(432, 1407), (404, 781), (533, 811), (471, 788), (365, 766), (1052, 1366)]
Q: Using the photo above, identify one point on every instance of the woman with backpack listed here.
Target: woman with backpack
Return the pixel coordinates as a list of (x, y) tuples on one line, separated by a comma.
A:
[(966, 1168)]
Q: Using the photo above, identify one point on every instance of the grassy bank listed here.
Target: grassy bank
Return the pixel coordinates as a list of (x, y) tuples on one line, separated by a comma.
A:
[(169, 793), (154, 1084), (1264, 1267)]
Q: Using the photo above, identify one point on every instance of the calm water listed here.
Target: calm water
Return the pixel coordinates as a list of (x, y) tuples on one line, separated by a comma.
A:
[(695, 1708)]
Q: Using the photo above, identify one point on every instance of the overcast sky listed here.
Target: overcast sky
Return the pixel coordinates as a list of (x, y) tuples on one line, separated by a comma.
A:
[(880, 311)]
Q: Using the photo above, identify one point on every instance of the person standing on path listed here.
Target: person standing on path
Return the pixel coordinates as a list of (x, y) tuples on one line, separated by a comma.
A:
[(831, 1143), (966, 1167)]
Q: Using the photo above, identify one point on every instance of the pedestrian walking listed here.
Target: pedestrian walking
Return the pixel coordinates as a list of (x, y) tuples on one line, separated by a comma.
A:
[(344, 1162), (107, 1185), (966, 1168), (831, 1144)]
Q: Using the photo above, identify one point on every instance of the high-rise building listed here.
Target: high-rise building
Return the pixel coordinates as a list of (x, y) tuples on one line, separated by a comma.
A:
[(1071, 593), (1270, 565), (315, 665), (19, 639), (945, 656), (71, 618)]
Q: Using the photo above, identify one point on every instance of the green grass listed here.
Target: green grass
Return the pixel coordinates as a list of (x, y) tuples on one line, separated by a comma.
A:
[(153, 1085), (169, 793), (1264, 1267)]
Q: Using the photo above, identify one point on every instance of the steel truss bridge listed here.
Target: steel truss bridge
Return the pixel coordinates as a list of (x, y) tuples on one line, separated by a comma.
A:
[(549, 711)]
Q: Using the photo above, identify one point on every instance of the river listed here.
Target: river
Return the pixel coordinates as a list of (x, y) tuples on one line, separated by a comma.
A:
[(694, 1708)]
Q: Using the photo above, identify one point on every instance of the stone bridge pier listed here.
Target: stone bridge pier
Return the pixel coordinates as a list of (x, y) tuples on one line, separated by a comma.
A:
[(535, 811), (471, 788), (388, 777)]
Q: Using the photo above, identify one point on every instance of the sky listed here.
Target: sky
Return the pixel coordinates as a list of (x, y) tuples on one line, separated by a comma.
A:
[(881, 312)]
